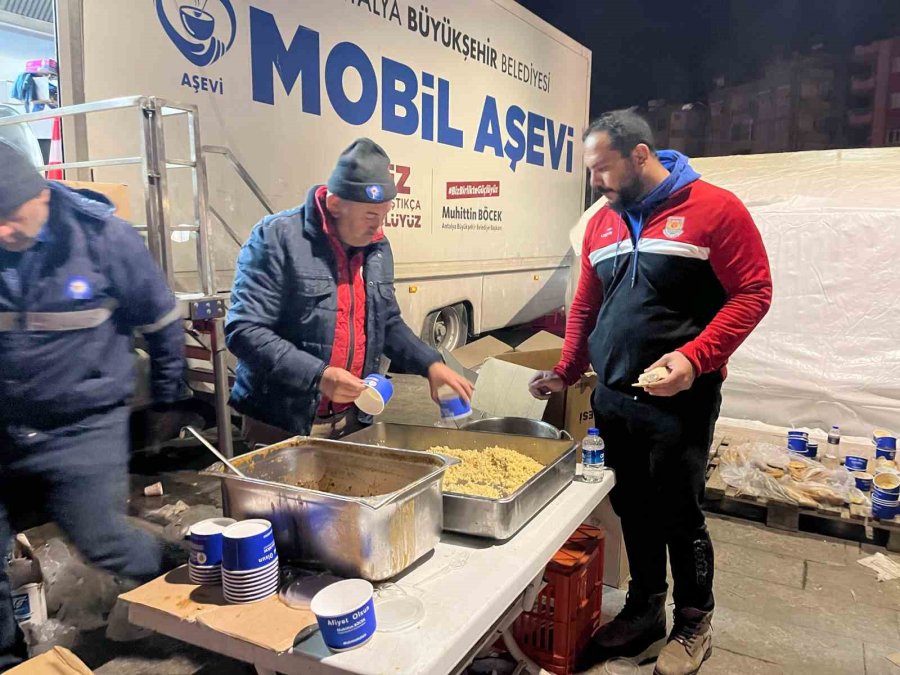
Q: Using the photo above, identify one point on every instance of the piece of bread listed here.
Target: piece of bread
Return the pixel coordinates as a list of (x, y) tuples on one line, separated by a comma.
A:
[(651, 377)]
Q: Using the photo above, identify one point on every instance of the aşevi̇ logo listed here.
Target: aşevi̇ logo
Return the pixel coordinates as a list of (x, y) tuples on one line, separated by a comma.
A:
[(207, 28)]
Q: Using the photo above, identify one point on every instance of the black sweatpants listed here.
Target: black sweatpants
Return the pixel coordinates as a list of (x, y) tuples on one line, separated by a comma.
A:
[(659, 449)]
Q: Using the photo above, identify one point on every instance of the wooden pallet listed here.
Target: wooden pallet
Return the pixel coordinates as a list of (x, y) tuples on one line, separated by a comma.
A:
[(852, 522)]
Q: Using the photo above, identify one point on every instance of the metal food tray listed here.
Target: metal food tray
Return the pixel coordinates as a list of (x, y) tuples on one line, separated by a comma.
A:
[(480, 516), (358, 510)]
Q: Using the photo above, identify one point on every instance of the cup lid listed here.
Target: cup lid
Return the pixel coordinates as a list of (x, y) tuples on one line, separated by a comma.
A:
[(397, 611)]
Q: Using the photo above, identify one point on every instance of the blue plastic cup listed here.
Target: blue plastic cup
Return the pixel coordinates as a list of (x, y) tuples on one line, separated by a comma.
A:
[(879, 433), (797, 444), (798, 434), (885, 453), (378, 393), (346, 614), (885, 511), (863, 480), (887, 484), (206, 541), (453, 407), (812, 450), (856, 463), (886, 443), (248, 545)]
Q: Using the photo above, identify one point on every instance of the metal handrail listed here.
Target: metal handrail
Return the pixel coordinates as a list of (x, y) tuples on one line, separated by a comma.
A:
[(81, 109), (228, 229), (154, 167), (242, 172)]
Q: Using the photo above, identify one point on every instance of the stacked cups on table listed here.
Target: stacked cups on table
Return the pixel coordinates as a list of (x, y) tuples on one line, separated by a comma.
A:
[(798, 442), (205, 563), (886, 496), (250, 569), (886, 447)]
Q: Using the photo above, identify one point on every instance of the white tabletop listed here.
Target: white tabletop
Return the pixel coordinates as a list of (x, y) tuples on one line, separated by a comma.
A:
[(461, 605)]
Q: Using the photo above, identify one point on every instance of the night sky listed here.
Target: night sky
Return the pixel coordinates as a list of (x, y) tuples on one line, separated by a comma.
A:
[(648, 49)]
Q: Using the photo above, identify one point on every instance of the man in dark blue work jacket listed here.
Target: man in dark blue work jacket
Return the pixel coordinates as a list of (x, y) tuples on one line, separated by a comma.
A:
[(75, 284), (313, 308)]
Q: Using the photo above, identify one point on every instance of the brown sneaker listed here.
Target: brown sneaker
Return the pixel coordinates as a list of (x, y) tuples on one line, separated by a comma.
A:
[(640, 624), (690, 644)]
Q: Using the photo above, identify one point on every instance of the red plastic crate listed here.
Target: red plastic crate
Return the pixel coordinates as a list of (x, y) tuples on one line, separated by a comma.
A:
[(567, 611)]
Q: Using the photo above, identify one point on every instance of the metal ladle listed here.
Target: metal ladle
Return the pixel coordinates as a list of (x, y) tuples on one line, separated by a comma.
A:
[(209, 446)]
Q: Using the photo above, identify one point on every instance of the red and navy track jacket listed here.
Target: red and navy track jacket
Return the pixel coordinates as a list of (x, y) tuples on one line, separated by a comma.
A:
[(684, 270)]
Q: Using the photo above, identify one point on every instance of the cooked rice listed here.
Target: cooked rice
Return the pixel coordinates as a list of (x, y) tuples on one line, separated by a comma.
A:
[(493, 472)]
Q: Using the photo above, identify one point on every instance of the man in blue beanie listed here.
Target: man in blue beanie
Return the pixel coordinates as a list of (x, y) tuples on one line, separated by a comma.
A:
[(75, 284), (313, 308)]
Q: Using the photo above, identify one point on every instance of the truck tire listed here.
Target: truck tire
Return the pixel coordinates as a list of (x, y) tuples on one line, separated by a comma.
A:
[(447, 328)]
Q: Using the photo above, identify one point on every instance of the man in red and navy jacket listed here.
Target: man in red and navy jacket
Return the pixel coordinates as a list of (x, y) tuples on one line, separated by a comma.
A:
[(314, 308), (674, 274)]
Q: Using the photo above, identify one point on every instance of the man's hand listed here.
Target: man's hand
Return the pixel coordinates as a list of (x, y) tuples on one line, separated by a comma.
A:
[(439, 375), (544, 384), (340, 386), (680, 378)]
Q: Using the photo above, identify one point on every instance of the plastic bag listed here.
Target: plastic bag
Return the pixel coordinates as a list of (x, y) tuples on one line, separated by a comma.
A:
[(767, 470), (45, 636), (748, 480), (77, 594)]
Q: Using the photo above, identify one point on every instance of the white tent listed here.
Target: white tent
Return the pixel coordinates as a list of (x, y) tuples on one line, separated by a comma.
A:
[(829, 351)]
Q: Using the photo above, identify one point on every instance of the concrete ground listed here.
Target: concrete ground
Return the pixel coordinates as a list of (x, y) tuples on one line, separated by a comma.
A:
[(789, 604)]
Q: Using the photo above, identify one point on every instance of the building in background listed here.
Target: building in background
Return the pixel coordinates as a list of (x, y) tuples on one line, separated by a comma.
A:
[(799, 104), (874, 90), (679, 126)]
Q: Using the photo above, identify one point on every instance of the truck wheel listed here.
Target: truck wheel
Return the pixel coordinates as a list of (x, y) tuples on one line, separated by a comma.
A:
[(447, 328)]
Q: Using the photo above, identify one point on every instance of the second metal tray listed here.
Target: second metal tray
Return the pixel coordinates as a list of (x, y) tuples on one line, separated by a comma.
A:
[(479, 516)]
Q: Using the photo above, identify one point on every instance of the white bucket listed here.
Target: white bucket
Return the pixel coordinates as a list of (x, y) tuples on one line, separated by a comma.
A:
[(30, 603)]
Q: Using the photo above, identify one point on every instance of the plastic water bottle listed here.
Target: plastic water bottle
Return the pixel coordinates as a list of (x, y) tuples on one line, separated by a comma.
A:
[(833, 451), (593, 453)]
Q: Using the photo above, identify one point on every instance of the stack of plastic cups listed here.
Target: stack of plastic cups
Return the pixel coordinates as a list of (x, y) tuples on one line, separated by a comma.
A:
[(886, 496), (886, 447), (205, 563), (250, 569), (798, 442)]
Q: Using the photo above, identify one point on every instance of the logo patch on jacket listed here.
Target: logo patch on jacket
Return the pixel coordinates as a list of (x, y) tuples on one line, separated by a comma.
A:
[(674, 227), (79, 288)]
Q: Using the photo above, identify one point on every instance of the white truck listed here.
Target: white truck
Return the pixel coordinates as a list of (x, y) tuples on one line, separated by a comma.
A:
[(479, 103)]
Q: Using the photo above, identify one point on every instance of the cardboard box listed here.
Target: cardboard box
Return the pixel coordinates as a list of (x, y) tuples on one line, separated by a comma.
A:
[(502, 374), (117, 193), (616, 572), (570, 410), (58, 661), (269, 624)]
